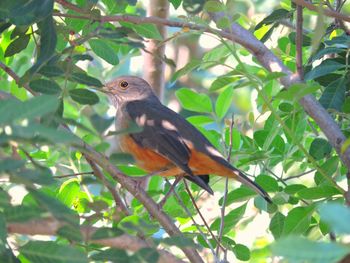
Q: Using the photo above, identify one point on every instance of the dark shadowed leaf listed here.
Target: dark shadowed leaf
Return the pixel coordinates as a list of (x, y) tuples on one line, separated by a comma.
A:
[(147, 255), (333, 96), (178, 241), (113, 255), (320, 148), (276, 15), (71, 233), (55, 207), (100, 123), (51, 71), (22, 213), (17, 45), (48, 41), (326, 67), (46, 251), (45, 86), (35, 107), (84, 96), (86, 79), (8, 164)]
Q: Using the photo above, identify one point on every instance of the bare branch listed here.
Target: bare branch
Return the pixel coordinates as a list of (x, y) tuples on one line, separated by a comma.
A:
[(299, 175), (49, 227)]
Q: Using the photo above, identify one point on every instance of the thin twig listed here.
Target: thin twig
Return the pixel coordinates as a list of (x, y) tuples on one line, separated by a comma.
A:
[(201, 216), (188, 212), (299, 42), (299, 175), (72, 175), (223, 207)]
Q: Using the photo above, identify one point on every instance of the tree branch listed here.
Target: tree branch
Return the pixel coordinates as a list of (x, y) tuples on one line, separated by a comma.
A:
[(327, 12), (49, 227), (16, 78)]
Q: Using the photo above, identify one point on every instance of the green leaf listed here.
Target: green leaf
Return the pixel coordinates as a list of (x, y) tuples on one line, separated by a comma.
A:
[(324, 191), (223, 22), (118, 256), (277, 224), (147, 255), (21, 213), (221, 82), (223, 102), (48, 41), (298, 249), (216, 54), (84, 96), (8, 164), (3, 233), (231, 219), (45, 86), (298, 220), (41, 176), (276, 15), (194, 63), (17, 45), (86, 79), (199, 120), (46, 251), (121, 158), (241, 252), (297, 91), (333, 96), (329, 167), (337, 216), (69, 191), (320, 148), (214, 6), (71, 233), (102, 49), (193, 101), (326, 67), (326, 51), (101, 124), (35, 107), (268, 183), (55, 207), (51, 71), (240, 194), (146, 30), (175, 3)]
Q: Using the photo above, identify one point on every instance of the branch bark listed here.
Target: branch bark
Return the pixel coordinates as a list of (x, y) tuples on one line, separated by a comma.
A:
[(49, 227)]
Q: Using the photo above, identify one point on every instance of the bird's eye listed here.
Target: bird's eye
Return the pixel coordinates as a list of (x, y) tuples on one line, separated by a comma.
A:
[(123, 84)]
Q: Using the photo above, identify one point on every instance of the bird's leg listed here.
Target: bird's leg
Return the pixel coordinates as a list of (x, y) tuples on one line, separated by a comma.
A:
[(172, 188), (139, 180)]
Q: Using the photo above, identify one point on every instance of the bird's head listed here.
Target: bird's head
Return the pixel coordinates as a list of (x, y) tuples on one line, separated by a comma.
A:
[(128, 88)]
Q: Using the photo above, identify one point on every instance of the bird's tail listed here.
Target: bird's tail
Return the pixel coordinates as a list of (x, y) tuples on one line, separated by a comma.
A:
[(248, 182)]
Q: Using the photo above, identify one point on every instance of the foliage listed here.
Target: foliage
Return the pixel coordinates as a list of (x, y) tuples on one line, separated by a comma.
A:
[(65, 60)]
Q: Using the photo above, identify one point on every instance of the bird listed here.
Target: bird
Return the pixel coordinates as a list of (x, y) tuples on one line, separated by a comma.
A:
[(165, 143)]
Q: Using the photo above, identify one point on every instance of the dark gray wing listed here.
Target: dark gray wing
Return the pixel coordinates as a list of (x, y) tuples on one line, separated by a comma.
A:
[(155, 135)]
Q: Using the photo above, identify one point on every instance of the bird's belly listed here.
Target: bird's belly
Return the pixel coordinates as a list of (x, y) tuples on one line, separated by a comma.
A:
[(145, 158)]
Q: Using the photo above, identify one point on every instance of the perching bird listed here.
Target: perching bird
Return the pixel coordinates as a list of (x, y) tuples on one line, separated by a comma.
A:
[(167, 144)]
